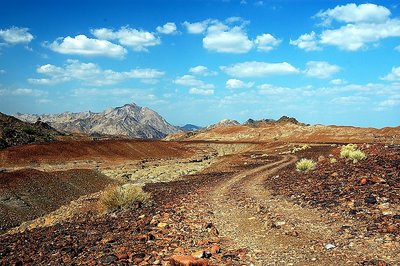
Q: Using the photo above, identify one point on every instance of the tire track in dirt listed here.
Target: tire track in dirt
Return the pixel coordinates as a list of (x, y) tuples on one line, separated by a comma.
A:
[(275, 230)]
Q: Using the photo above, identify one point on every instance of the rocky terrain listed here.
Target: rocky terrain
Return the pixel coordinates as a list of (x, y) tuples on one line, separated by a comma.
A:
[(129, 120), (16, 132), (215, 201), (288, 129)]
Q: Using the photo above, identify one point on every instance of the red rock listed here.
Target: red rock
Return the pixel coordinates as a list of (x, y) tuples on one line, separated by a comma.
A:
[(177, 260), (179, 251), (391, 228), (377, 179), (215, 249), (122, 256), (363, 181)]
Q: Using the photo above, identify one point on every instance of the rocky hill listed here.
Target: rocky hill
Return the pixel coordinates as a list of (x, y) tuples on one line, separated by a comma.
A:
[(129, 120), (224, 123), (288, 129), (15, 132), (190, 127)]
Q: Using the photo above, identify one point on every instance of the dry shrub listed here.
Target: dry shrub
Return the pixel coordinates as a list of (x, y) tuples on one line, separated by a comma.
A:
[(128, 196), (305, 165), (351, 152)]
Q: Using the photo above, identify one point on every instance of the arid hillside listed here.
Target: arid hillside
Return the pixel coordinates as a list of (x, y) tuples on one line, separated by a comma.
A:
[(293, 132)]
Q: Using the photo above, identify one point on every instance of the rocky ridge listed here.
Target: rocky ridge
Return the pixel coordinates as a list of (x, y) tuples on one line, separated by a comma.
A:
[(16, 132), (129, 120)]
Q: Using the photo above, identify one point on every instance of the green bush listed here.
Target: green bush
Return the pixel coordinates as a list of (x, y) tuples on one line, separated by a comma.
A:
[(129, 196), (351, 152), (305, 165)]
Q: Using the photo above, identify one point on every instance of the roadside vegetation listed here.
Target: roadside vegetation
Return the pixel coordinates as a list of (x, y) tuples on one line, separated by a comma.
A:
[(350, 152), (128, 196), (305, 165)]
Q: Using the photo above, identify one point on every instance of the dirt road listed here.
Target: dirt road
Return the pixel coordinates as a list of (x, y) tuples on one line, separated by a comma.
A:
[(276, 231)]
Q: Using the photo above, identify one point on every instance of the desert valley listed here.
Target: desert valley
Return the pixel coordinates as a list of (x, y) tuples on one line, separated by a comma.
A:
[(200, 133), (227, 194)]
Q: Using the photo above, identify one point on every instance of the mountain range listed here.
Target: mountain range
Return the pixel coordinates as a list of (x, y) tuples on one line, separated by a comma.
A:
[(129, 120)]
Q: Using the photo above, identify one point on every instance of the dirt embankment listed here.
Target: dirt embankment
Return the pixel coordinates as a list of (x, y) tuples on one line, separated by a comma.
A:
[(28, 194), (103, 150), (289, 132)]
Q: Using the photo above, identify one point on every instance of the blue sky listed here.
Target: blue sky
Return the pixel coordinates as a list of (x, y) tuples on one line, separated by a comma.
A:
[(323, 62)]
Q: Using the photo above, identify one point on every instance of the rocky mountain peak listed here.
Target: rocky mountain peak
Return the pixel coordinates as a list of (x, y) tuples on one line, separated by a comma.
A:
[(128, 120)]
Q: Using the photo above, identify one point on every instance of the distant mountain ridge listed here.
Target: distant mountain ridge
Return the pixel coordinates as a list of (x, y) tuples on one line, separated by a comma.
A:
[(129, 120), (190, 127)]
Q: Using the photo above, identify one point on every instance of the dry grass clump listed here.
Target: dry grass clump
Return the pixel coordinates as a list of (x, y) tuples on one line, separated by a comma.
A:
[(128, 196), (305, 165), (351, 152), (294, 149)]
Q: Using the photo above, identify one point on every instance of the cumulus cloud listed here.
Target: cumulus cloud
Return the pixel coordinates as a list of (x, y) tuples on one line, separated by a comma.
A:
[(259, 69), (167, 28), (196, 27), (137, 40), (359, 26), (266, 42), (82, 45), (230, 36), (202, 71), (16, 35), (90, 73), (223, 40), (320, 69), (192, 81), (352, 13), (238, 84), (204, 92), (307, 42), (353, 37), (394, 75)]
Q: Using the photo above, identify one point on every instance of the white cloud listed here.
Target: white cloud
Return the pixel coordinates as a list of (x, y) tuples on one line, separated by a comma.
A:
[(359, 26), (16, 35), (397, 48), (202, 71), (307, 42), (201, 91), (90, 73), (259, 69), (351, 13), (191, 81), (266, 42), (320, 69), (394, 75), (238, 84), (23, 92), (2, 71), (353, 37), (391, 101), (338, 82), (82, 45), (167, 28), (196, 27), (230, 36), (138, 40), (222, 40)]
